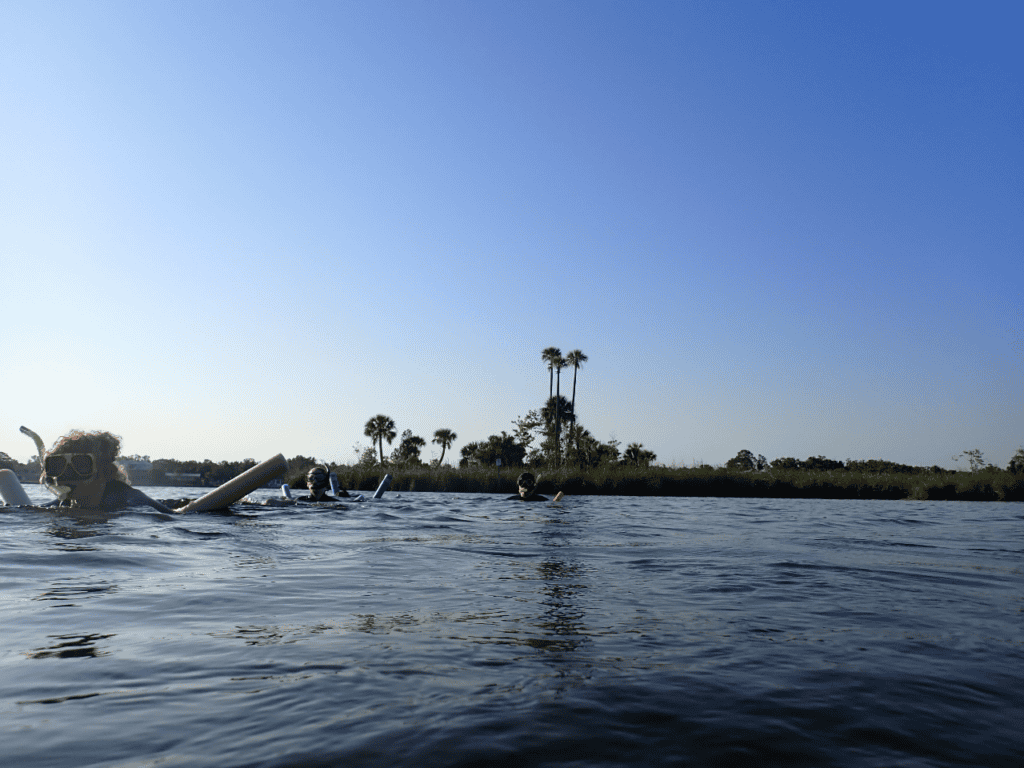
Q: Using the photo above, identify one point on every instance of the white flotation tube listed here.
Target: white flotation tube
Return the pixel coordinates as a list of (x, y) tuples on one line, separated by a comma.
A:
[(382, 488), (10, 488), (235, 489)]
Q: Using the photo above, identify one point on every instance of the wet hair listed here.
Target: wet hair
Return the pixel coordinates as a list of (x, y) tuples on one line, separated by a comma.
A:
[(105, 446), (318, 478), (527, 480)]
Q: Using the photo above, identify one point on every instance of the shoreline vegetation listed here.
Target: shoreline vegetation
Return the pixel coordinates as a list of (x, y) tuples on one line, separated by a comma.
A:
[(991, 484), (565, 457), (777, 480)]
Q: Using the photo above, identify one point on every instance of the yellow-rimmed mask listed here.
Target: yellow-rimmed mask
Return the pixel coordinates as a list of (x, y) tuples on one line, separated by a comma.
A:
[(70, 468)]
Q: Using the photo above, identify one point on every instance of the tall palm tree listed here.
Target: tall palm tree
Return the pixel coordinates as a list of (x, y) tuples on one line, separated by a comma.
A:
[(379, 429), (443, 437), (576, 359), (558, 363), (549, 356)]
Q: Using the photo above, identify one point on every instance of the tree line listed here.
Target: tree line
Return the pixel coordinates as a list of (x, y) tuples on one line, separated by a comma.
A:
[(746, 461), (549, 436)]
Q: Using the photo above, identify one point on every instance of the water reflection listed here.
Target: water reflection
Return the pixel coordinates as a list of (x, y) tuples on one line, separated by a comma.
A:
[(273, 634), (71, 647), (71, 524), (562, 618), (63, 590)]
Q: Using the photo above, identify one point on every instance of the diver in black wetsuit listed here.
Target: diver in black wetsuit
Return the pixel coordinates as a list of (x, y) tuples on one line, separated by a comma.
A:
[(527, 482), (80, 469), (318, 481)]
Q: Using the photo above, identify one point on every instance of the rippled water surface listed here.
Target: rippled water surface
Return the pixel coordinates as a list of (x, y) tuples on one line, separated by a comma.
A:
[(459, 629)]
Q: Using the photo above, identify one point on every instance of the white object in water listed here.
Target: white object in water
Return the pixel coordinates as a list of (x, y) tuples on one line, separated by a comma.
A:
[(384, 485), (334, 484), (11, 490), (238, 487), (286, 491)]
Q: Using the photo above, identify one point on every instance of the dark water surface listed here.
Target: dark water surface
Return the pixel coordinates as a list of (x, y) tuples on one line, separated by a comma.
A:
[(460, 629)]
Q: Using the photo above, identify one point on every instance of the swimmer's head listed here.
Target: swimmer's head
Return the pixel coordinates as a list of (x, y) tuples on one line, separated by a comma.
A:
[(526, 482), (81, 457), (318, 480)]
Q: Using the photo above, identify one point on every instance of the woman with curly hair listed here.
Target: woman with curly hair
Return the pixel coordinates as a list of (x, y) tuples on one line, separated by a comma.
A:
[(80, 469)]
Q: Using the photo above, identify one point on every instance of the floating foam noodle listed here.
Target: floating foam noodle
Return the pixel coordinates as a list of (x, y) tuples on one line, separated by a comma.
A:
[(238, 487), (384, 485), (11, 490)]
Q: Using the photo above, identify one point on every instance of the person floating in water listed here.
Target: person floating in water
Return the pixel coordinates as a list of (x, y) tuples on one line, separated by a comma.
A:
[(80, 469), (527, 483), (318, 481)]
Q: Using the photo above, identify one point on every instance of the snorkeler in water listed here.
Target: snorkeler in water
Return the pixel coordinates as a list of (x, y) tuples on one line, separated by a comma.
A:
[(80, 470), (527, 483), (318, 481)]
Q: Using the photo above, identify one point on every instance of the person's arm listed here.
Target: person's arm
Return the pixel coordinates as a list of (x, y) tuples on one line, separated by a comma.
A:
[(135, 496)]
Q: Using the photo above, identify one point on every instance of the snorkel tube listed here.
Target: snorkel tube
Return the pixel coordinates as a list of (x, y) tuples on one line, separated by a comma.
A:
[(60, 491)]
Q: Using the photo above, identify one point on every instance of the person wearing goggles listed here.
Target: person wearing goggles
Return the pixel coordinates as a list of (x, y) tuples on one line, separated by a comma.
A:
[(80, 470), (318, 481), (527, 483)]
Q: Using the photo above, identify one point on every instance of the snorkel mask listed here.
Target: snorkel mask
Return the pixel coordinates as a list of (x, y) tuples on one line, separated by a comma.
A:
[(61, 471), (318, 481)]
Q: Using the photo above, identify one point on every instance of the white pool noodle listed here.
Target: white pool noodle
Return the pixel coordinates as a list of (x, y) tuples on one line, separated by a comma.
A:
[(384, 485), (238, 487), (11, 490)]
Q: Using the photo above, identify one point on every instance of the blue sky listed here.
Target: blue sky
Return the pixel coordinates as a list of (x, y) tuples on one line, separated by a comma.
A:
[(229, 230)]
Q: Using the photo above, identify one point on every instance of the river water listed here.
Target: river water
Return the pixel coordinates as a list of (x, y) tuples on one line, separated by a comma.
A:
[(463, 629)]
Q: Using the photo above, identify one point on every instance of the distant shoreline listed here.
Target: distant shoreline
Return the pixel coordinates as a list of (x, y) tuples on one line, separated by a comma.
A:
[(985, 485)]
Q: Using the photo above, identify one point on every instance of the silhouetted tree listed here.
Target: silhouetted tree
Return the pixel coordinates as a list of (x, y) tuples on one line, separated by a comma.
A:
[(549, 355), (380, 428), (582, 449), (974, 457), (443, 437), (576, 359), (559, 364), (821, 464), (469, 454), (745, 461), (554, 407), (637, 455), (408, 450), (526, 426), (1016, 465), (503, 446), (367, 456), (880, 466), (786, 462)]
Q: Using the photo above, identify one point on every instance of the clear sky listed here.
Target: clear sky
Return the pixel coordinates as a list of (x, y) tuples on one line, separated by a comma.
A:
[(234, 229)]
